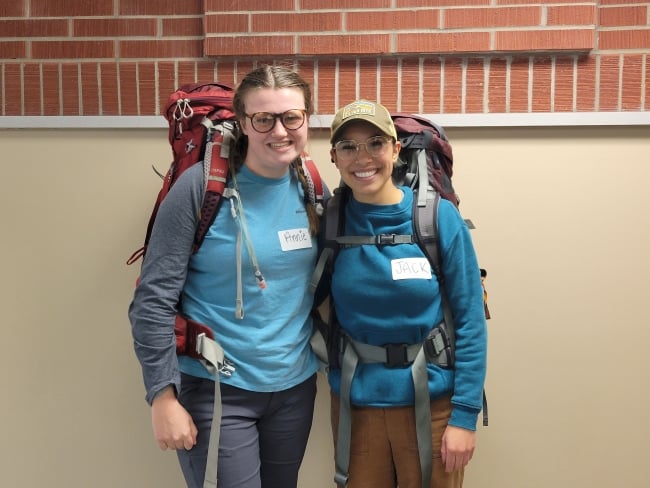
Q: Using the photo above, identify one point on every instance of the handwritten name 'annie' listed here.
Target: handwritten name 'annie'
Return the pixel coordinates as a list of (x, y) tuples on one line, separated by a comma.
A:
[(299, 235)]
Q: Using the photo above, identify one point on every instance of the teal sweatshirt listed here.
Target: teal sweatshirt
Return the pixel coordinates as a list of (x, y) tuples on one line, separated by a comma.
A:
[(388, 294)]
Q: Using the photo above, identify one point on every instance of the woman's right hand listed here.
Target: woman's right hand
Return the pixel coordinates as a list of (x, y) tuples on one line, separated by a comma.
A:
[(173, 426)]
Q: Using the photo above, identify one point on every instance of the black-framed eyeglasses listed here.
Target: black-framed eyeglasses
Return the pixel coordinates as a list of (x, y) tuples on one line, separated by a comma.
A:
[(265, 121), (375, 147)]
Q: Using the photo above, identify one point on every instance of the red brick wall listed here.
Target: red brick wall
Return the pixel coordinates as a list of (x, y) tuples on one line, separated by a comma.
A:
[(124, 57)]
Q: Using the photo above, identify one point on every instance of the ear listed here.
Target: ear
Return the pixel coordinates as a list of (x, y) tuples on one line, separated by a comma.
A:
[(333, 157), (243, 126), (396, 149)]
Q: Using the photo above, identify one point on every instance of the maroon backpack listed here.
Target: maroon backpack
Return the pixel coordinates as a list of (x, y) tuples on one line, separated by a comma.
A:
[(200, 117), (424, 146)]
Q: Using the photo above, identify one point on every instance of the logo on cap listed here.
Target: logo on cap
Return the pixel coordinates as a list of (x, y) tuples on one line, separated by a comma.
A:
[(358, 108)]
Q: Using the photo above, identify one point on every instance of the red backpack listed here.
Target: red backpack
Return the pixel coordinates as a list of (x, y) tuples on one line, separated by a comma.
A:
[(202, 125), (198, 115)]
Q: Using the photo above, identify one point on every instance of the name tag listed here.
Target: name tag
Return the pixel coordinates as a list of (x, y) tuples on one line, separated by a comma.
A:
[(411, 268), (293, 239)]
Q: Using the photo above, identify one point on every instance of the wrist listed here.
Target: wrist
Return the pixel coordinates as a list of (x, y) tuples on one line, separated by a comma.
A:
[(166, 394)]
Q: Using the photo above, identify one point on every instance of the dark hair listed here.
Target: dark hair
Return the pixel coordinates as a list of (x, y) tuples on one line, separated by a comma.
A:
[(267, 76)]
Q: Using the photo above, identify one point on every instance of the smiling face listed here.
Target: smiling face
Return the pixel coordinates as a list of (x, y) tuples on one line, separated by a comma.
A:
[(270, 153), (369, 177)]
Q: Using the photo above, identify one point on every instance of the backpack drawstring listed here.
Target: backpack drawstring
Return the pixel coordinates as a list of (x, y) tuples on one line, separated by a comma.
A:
[(237, 210)]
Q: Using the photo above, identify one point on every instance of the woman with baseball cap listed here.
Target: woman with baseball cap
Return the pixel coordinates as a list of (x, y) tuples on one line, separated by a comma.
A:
[(386, 298)]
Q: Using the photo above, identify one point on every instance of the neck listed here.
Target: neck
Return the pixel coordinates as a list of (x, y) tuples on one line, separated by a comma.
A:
[(266, 171), (389, 196)]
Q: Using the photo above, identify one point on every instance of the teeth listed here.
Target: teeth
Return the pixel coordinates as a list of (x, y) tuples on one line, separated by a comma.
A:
[(365, 174), (278, 145)]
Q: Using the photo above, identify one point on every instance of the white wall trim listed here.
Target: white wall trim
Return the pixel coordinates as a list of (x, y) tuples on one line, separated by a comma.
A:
[(324, 121)]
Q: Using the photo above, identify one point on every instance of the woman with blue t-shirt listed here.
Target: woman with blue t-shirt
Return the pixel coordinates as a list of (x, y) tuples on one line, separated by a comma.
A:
[(386, 302), (249, 283)]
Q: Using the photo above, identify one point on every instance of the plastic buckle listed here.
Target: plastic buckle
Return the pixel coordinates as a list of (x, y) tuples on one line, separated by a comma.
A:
[(437, 348), (434, 344), (396, 355), (227, 368), (385, 239)]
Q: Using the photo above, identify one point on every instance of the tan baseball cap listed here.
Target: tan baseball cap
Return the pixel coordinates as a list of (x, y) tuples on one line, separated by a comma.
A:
[(371, 112)]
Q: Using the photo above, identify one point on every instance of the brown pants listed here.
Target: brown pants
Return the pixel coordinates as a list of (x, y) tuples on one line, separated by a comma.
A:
[(384, 447)]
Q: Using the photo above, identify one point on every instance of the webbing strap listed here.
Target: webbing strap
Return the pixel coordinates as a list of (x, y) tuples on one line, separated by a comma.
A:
[(377, 354), (447, 317), (422, 415), (318, 345), (342, 455), (325, 255), (379, 240), (232, 195), (239, 301), (214, 361), (423, 178), (485, 409), (369, 353)]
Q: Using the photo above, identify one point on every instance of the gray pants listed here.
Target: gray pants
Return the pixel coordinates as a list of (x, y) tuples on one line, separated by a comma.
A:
[(263, 435)]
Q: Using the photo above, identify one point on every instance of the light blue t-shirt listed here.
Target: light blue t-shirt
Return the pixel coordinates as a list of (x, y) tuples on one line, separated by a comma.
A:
[(269, 346)]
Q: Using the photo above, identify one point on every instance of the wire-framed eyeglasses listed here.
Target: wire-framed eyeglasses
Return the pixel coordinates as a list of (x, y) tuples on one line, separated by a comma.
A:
[(375, 147), (265, 121)]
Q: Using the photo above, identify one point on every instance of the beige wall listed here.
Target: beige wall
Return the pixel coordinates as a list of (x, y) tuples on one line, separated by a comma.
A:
[(562, 227)]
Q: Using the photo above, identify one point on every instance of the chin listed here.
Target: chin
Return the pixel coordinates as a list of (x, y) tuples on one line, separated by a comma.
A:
[(287, 157)]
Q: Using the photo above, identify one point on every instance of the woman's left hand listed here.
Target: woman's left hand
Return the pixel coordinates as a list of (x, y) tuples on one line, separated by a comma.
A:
[(457, 447)]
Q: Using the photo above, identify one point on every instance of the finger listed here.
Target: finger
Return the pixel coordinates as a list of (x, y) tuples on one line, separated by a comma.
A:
[(454, 462), (178, 444), (459, 462), (448, 465), (188, 443)]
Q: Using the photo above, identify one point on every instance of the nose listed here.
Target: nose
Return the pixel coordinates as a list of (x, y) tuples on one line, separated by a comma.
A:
[(362, 156), (278, 126), (365, 149)]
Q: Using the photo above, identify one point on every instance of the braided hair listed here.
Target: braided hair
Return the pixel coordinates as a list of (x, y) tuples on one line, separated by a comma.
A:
[(267, 76)]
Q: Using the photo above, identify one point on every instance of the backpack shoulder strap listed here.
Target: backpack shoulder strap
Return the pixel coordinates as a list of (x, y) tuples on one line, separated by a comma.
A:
[(315, 183), (319, 284), (425, 224), (215, 167), (425, 227), (332, 226)]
